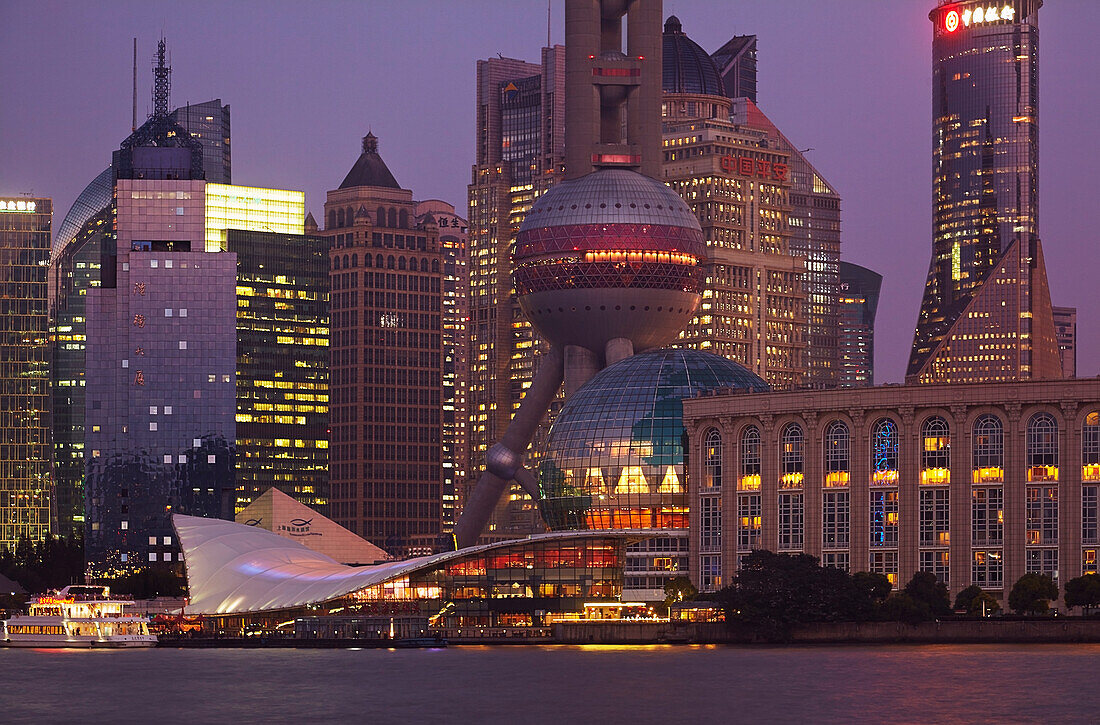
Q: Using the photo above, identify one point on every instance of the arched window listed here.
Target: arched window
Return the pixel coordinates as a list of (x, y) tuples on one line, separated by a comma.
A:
[(837, 465), (435, 265), (378, 261), (712, 460), (336, 262), (391, 217), (355, 260), (884, 453), (750, 459), (791, 458), (989, 450), (401, 263), (389, 262), (1090, 448), (345, 263), (404, 219), (350, 216), (380, 217), (340, 218), (366, 260), (935, 454), (331, 218), (1042, 448)]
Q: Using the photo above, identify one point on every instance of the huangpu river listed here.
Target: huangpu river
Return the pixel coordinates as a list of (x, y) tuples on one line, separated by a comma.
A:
[(545, 684)]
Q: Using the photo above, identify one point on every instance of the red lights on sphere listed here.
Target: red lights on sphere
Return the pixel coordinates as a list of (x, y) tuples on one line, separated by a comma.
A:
[(951, 21)]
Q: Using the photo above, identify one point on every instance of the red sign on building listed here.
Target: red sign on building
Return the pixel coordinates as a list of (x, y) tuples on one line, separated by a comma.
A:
[(755, 168)]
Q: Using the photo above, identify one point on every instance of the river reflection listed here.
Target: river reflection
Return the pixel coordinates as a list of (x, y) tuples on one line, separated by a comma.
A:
[(537, 684)]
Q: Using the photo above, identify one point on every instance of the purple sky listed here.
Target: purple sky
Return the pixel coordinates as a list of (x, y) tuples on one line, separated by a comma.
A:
[(306, 80)]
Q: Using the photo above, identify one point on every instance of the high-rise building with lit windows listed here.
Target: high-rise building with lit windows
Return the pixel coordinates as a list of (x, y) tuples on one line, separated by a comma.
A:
[(386, 372), (282, 363), (859, 291), (79, 243), (737, 180), (520, 154), (160, 361), (986, 313), (1065, 325), (24, 365), (453, 238)]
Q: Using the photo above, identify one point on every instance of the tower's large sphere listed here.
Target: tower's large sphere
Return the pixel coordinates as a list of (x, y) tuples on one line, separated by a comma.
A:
[(615, 455), (613, 254)]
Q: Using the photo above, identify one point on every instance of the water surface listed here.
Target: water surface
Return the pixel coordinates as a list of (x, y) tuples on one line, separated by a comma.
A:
[(670, 685)]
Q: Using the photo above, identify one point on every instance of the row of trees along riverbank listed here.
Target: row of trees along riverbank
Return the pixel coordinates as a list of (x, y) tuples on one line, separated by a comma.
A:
[(773, 593)]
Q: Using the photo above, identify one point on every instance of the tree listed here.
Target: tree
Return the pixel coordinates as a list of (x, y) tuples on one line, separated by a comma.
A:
[(904, 607), (972, 599), (774, 592), (679, 589), (925, 588), (1032, 594), (875, 587), (1083, 591)]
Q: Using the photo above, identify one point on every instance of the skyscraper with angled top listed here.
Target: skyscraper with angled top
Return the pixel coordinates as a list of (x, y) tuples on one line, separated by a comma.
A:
[(986, 313)]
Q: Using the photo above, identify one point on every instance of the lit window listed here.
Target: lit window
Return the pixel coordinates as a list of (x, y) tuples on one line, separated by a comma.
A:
[(125, 525)]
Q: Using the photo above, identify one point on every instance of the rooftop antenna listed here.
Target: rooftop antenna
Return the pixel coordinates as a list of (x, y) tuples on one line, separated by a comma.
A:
[(547, 23), (162, 83), (133, 122)]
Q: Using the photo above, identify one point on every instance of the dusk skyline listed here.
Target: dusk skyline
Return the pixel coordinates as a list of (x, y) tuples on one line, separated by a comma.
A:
[(306, 82)]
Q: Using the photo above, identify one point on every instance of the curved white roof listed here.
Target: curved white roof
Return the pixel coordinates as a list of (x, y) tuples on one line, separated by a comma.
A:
[(234, 568), (610, 196)]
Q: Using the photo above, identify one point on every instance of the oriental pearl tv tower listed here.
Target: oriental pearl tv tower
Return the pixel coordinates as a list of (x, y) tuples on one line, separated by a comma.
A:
[(608, 262)]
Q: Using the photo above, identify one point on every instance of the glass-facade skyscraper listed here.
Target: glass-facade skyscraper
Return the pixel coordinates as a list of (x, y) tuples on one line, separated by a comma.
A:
[(986, 313), (24, 362), (858, 302)]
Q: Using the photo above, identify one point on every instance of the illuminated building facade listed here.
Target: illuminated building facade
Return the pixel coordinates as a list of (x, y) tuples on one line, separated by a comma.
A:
[(1065, 327), (615, 456), (976, 483), (453, 239), (986, 313), (520, 154), (738, 184), (85, 235), (159, 357), (859, 290), (24, 369), (386, 350), (282, 364)]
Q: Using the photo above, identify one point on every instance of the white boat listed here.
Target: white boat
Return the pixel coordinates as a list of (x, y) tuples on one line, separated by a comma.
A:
[(78, 616)]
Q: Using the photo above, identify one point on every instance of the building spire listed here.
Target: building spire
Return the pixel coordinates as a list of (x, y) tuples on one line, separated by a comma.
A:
[(370, 143), (162, 83)]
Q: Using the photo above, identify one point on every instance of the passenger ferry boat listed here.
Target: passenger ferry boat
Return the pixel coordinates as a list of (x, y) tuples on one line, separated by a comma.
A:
[(78, 616)]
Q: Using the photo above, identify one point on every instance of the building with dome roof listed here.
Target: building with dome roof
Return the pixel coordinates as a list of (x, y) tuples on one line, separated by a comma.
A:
[(737, 182), (615, 457)]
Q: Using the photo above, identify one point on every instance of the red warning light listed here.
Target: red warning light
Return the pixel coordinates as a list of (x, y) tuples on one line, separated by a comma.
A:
[(951, 21)]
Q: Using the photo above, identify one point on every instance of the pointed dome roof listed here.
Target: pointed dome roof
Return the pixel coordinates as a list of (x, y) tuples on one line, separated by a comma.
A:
[(370, 169), (687, 67)]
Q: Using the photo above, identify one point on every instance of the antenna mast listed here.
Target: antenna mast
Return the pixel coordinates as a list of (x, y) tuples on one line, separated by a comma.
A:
[(133, 123), (162, 83)]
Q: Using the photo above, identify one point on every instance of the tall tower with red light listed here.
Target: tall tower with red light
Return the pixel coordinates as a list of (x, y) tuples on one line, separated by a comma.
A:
[(986, 313), (608, 262)]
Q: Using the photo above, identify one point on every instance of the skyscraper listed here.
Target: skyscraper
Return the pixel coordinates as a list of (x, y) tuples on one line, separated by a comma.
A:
[(453, 238), (160, 354), (520, 154), (986, 313), (83, 237), (736, 61), (859, 290), (737, 181), (24, 364), (386, 359), (1065, 325)]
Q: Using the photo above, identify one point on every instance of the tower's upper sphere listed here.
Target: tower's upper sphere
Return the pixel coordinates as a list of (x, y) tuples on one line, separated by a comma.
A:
[(613, 254)]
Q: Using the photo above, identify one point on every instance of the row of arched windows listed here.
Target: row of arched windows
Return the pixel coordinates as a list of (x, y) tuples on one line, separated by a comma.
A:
[(383, 217), (1041, 452), (411, 264)]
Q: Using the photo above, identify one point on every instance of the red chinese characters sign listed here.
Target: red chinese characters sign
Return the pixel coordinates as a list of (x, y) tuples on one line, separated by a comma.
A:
[(755, 168)]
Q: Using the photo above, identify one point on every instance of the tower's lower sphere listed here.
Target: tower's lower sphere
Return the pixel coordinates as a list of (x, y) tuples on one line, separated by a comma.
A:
[(613, 254), (615, 455)]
